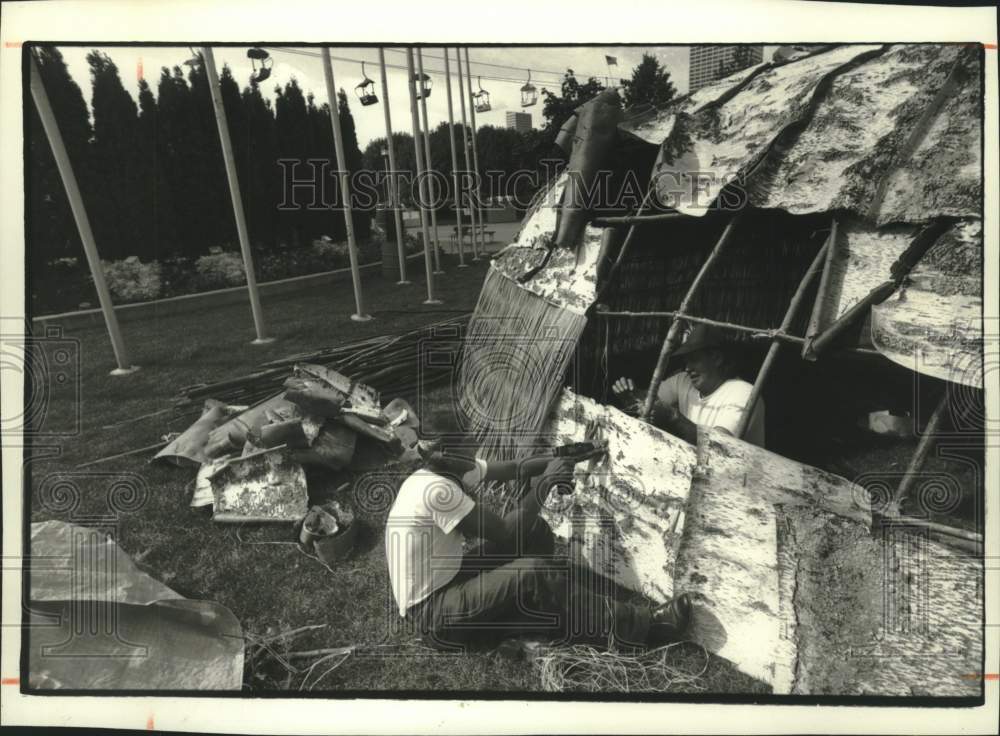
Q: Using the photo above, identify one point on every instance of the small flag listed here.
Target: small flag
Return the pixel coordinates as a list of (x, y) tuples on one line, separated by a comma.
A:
[(611, 60)]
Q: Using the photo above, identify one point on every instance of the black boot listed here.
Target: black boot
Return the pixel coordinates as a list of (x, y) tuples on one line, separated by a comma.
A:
[(670, 621)]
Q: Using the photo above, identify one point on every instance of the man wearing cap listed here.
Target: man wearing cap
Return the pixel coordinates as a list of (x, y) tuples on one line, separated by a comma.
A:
[(707, 392), (513, 585)]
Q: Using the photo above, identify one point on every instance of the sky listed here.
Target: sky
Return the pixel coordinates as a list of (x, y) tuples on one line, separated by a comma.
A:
[(547, 65)]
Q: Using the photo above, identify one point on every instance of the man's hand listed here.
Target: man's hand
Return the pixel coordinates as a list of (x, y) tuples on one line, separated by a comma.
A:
[(667, 415), (626, 396), (559, 474)]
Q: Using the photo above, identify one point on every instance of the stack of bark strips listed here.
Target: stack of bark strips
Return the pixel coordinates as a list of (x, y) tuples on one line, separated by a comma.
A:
[(794, 586), (791, 582), (933, 322), (251, 459), (625, 517)]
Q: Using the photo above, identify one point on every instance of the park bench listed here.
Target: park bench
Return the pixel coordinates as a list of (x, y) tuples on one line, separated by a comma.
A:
[(466, 229)]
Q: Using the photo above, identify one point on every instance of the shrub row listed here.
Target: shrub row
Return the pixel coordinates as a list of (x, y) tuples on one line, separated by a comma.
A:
[(67, 284)]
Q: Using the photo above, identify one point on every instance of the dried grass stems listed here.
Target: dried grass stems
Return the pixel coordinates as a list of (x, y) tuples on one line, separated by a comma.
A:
[(393, 364), (516, 351), (277, 646), (584, 668)]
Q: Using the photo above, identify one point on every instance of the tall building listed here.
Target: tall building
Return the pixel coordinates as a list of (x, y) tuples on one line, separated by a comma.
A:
[(519, 121), (709, 63)]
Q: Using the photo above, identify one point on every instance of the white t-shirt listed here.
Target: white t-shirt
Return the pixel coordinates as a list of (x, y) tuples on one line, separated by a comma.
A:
[(721, 408), (423, 545)]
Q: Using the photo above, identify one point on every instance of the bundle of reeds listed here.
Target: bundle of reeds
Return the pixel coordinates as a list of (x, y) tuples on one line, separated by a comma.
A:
[(516, 351), (392, 364)]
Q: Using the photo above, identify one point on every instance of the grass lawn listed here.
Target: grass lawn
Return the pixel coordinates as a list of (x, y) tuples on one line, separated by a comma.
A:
[(267, 583)]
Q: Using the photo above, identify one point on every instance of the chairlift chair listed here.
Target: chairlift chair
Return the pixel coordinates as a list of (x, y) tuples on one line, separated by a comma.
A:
[(366, 89), (529, 94), (261, 62), (195, 59), (481, 99), (423, 85)]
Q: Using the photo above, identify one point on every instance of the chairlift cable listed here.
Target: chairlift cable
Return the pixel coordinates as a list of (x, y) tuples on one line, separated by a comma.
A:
[(488, 77)]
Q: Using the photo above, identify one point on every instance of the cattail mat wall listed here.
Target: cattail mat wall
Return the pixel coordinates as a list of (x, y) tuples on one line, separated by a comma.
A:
[(517, 348)]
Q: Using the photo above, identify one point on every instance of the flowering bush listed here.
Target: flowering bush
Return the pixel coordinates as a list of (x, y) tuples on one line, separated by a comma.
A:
[(219, 269), (327, 250), (411, 243), (132, 280)]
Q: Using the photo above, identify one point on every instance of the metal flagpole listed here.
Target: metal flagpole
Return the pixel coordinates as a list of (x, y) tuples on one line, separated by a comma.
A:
[(234, 192), (80, 216), (465, 149), (418, 150), (345, 189), (454, 160), (393, 194), (475, 155), (429, 166)]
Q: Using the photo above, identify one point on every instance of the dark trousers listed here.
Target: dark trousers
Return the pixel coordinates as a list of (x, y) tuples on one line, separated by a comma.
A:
[(526, 590)]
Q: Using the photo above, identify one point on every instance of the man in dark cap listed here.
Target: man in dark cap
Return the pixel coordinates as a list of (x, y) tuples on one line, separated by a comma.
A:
[(707, 392)]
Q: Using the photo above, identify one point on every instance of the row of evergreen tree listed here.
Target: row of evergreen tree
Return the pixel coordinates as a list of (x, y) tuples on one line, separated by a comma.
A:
[(153, 178), (152, 175)]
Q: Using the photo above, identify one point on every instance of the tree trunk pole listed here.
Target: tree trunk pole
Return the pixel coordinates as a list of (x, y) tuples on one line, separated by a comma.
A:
[(819, 305), (345, 188), (429, 167), (919, 455), (418, 150), (475, 158), (75, 198), (234, 190), (454, 159), (668, 341), (465, 151), (786, 322), (391, 148)]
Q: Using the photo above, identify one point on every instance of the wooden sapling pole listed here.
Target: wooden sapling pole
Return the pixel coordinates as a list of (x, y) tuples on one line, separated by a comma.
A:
[(772, 351), (234, 191), (418, 151), (636, 219), (65, 167), (919, 456), (345, 189), (900, 269), (819, 304), (944, 529), (454, 159), (393, 182), (670, 339)]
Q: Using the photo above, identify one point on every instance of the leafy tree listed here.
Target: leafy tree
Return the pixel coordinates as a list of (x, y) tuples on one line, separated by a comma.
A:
[(156, 198), (557, 109), (362, 217), (256, 145), (117, 214), (739, 58), (650, 84), (212, 208), (50, 229), (292, 132), (176, 150)]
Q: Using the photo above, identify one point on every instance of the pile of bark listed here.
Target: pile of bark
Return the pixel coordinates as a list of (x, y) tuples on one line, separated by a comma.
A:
[(252, 459)]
